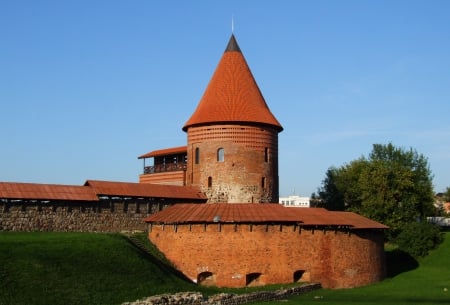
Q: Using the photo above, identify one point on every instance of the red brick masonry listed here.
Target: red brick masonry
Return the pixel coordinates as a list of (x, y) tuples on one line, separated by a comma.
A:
[(237, 255)]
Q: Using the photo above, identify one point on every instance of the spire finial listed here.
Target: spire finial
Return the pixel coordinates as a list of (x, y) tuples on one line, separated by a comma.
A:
[(232, 23)]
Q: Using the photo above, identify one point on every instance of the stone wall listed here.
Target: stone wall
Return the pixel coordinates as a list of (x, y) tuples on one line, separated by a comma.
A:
[(196, 298), (231, 255), (99, 216)]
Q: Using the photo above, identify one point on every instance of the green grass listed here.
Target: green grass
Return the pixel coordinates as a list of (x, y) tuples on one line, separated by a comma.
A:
[(83, 268), (79, 268)]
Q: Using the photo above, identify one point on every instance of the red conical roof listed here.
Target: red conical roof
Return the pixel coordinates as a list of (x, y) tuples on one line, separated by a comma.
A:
[(232, 95)]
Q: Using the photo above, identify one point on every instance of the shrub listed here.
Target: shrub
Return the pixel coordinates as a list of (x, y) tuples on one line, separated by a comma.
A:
[(418, 238)]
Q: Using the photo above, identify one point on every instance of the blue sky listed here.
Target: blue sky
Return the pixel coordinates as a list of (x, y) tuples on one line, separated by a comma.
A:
[(88, 86)]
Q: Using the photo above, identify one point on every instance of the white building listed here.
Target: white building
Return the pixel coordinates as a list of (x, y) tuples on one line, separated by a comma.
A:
[(295, 201)]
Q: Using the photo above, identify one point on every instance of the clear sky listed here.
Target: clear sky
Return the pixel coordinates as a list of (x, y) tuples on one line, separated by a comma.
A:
[(88, 86)]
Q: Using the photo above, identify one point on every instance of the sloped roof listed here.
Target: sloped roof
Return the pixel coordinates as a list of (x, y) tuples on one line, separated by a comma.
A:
[(165, 152), (232, 95), (130, 189), (252, 212), (260, 213), (360, 222), (13, 190)]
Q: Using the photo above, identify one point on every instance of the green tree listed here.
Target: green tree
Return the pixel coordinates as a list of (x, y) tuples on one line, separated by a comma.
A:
[(391, 185), (418, 238)]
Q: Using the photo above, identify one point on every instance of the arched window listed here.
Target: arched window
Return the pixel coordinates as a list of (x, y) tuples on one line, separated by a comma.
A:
[(206, 279), (197, 155), (220, 155), (254, 279)]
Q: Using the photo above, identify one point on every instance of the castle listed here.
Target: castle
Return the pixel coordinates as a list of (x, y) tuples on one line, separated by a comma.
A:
[(212, 206)]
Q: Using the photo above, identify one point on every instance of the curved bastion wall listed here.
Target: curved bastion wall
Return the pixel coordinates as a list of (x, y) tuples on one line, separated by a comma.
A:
[(239, 255)]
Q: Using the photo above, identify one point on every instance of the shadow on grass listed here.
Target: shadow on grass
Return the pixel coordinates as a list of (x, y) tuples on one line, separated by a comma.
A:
[(398, 261), (163, 266)]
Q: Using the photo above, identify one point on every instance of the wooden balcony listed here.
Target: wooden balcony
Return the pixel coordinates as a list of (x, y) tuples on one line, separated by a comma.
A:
[(161, 168)]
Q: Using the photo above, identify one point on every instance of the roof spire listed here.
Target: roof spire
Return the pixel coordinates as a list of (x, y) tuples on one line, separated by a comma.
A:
[(232, 24), (232, 45)]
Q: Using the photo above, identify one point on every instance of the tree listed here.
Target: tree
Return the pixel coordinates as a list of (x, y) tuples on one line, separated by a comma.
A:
[(418, 238), (392, 185)]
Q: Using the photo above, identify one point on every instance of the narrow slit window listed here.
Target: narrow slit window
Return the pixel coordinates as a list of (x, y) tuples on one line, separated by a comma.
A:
[(209, 182), (266, 154), (263, 182), (197, 155)]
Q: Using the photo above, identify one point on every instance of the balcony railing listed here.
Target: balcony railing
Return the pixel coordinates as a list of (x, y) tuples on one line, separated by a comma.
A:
[(161, 168)]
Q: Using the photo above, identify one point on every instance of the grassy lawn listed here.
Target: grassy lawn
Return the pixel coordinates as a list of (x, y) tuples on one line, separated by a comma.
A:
[(78, 268), (82, 268)]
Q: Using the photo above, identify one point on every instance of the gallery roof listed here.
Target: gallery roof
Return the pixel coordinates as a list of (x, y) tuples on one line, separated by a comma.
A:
[(260, 213), (93, 189), (165, 152)]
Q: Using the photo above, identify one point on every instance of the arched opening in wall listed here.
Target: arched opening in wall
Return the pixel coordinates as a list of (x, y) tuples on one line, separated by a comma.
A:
[(209, 181), (206, 279), (301, 276), (254, 279), (220, 155)]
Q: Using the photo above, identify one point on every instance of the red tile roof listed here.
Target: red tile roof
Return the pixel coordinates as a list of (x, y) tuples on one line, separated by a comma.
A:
[(260, 213), (12, 190), (232, 95), (360, 222), (165, 152), (129, 189)]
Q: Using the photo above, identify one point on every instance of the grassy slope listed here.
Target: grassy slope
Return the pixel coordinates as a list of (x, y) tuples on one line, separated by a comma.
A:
[(76, 268), (423, 285), (80, 268)]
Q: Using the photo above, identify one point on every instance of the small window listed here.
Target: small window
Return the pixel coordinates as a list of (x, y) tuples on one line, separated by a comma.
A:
[(220, 155), (197, 155), (263, 182), (209, 182), (266, 154)]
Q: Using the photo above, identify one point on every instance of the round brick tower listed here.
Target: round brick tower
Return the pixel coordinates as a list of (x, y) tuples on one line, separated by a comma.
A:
[(232, 137)]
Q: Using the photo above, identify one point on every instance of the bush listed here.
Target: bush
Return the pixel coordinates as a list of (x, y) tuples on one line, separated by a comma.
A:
[(418, 238)]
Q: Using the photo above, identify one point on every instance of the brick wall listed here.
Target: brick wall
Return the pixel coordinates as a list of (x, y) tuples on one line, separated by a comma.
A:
[(249, 170), (102, 216), (232, 255)]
